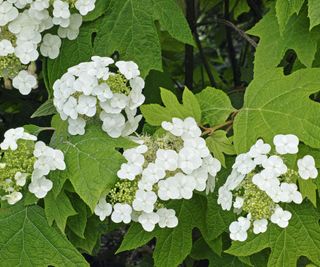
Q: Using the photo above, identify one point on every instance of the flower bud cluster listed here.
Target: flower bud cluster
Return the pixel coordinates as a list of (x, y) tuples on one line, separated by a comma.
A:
[(113, 92), (259, 182), (24, 26), (24, 159), (157, 170)]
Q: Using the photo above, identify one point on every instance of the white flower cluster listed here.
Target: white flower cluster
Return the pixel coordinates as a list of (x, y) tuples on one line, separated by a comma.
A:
[(23, 29), (91, 89), (170, 168), (24, 158), (260, 182)]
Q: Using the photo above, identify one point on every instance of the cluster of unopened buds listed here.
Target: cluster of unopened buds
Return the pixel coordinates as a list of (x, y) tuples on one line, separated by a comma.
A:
[(24, 31), (25, 161), (260, 182), (111, 91), (171, 166)]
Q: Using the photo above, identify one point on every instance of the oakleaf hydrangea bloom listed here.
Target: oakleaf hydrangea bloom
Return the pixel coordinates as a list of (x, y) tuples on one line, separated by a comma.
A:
[(24, 33), (25, 163), (102, 89), (259, 182), (167, 167)]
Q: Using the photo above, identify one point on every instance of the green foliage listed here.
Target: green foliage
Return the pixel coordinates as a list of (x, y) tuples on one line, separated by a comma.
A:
[(215, 106), (285, 9), (58, 209), (46, 109), (27, 240), (273, 45), (300, 238), (275, 104), (92, 163), (155, 113), (219, 144), (129, 27), (173, 245)]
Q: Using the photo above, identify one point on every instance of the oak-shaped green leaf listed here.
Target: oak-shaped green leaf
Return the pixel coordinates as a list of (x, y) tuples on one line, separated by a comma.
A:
[(174, 245), (272, 46), (219, 144), (215, 106), (58, 209), (27, 240), (155, 114), (285, 9), (46, 109), (276, 104), (129, 28), (314, 12), (92, 163), (300, 238), (202, 251)]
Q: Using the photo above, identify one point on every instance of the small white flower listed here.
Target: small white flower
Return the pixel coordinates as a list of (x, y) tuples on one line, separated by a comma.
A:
[(85, 6), (199, 145), (238, 203), (244, 164), (72, 31), (103, 209), (168, 159), (185, 185), (113, 124), (121, 213), (168, 189), (24, 82), (76, 126), (167, 218), (306, 168), (291, 193), (260, 226), (234, 180), (153, 172), (189, 160), (265, 180), (281, 217), (129, 171), (129, 69), (276, 165), (238, 229), (50, 46), (40, 186), (87, 105), (148, 220), (144, 201), (26, 52), (6, 48), (224, 198), (190, 129), (212, 165), (13, 198), (20, 178), (286, 144), (7, 13)]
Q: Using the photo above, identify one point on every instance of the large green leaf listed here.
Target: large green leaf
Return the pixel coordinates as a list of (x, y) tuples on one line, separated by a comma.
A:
[(276, 104), (300, 238), (285, 9), (173, 245), (273, 46), (92, 163), (215, 105), (58, 209), (314, 12), (155, 114), (27, 240), (219, 144), (129, 28)]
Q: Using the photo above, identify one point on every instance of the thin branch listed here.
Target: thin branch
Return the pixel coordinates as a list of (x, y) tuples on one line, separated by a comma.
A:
[(204, 59), (231, 50), (188, 58)]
